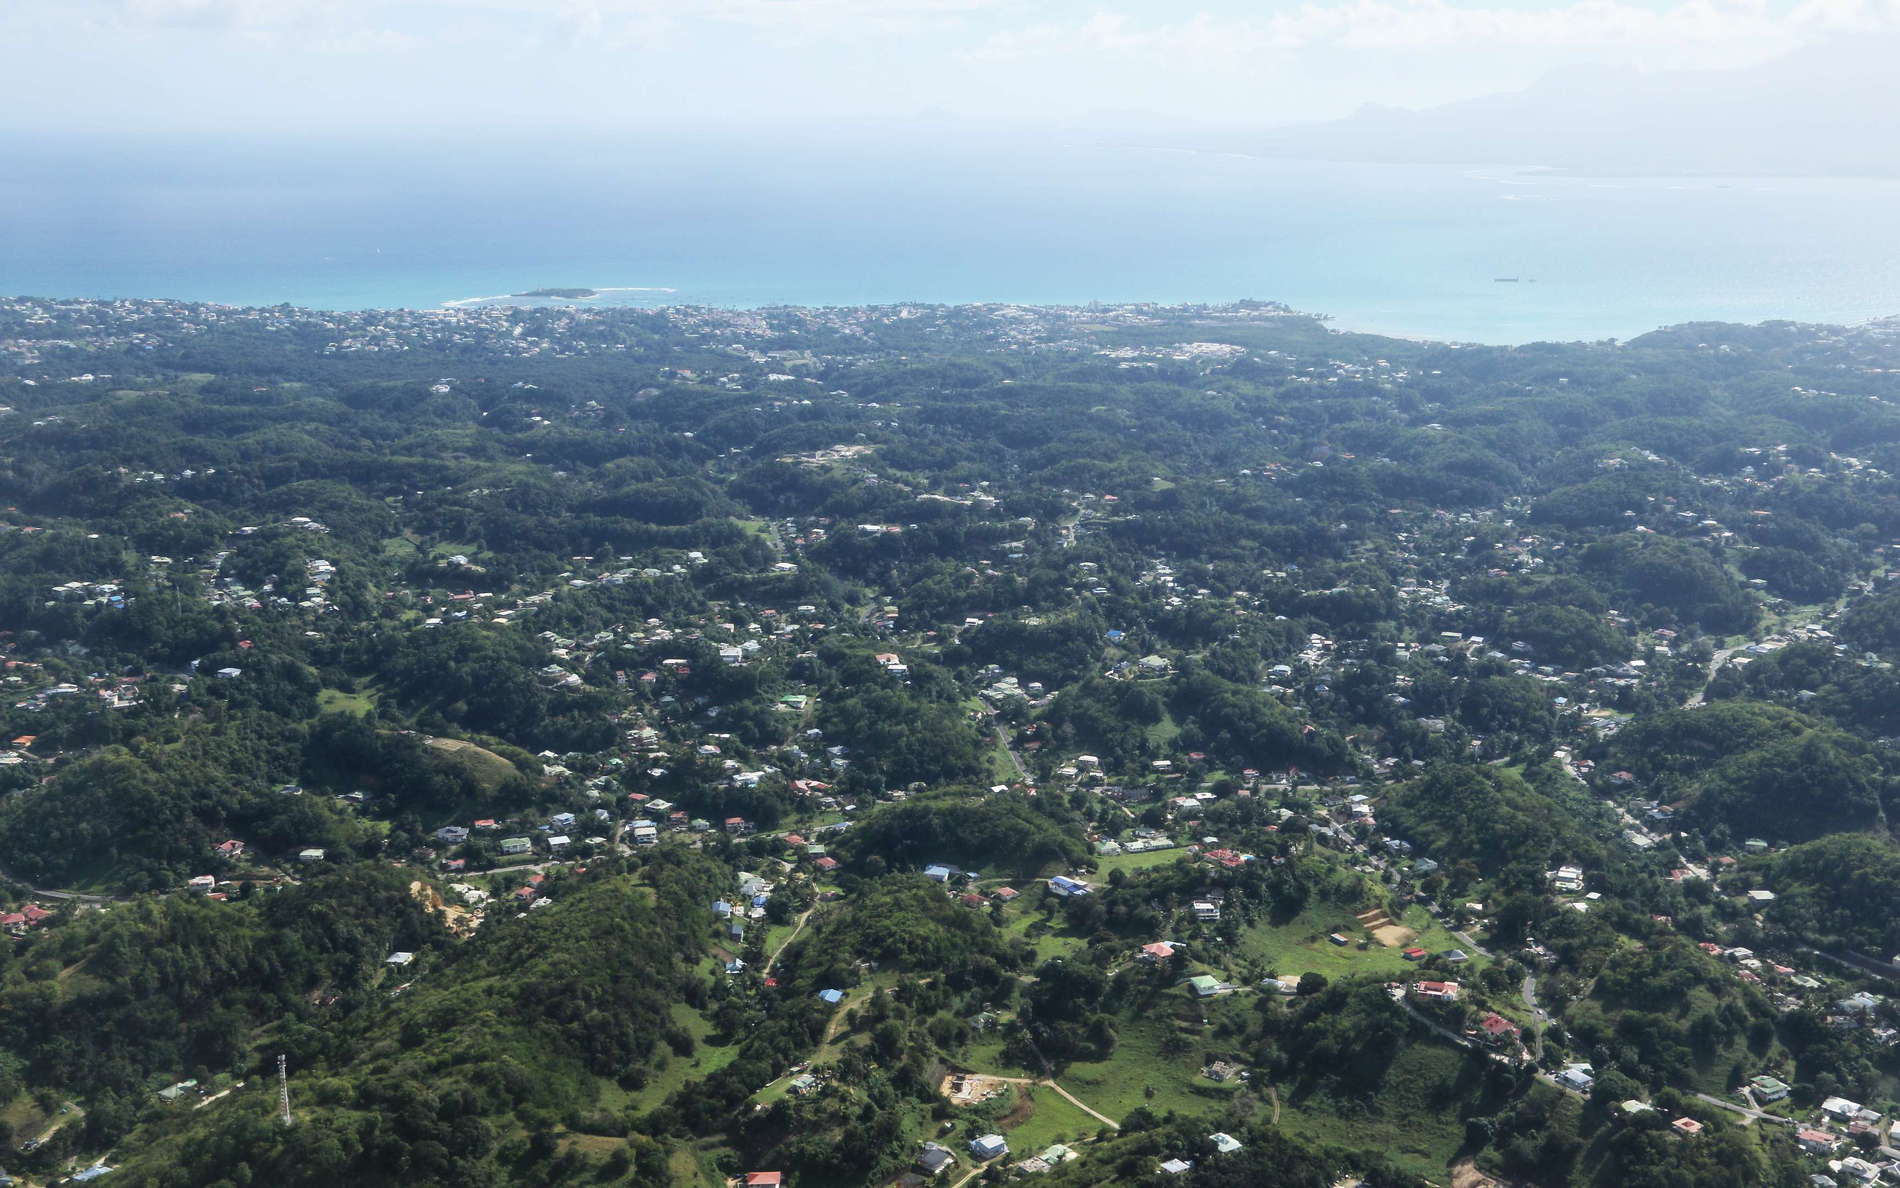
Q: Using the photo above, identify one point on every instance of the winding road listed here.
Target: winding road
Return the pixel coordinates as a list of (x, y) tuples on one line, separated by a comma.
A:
[(1071, 1098), (1715, 665), (49, 893), (1528, 992), (1748, 1114), (1002, 736)]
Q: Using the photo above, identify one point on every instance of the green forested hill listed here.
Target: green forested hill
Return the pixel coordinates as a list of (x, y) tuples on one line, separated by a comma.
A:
[(533, 724), (530, 1025), (1758, 770)]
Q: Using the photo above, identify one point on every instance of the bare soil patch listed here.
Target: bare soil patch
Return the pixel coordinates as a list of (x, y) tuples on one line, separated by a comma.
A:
[(1385, 930), (969, 1088), (1464, 1174), (1394, 935)]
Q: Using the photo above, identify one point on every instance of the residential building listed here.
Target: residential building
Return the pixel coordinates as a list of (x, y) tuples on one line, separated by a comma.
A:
[(936, 1159), (1766, 1088)]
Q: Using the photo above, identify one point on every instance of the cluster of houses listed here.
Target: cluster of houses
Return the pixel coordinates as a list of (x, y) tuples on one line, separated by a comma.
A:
[(661, 687), (28, 916), (1224, 1144)]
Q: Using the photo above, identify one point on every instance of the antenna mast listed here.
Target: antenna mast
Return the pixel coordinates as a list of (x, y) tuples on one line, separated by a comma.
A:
[(283, 1089)]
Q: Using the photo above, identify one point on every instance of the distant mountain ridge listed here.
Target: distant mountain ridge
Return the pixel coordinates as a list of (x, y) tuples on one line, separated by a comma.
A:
[(1830, 109)]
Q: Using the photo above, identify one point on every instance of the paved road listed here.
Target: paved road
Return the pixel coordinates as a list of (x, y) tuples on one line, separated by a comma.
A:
[(1748, 1114), (1472, 1045), (1022, 772), (1528, 992), (1858, 961), (517, 868), (1447, 1034), (49, 893), (1721, 657), (1715, 666), (76, 896), (1473, 945)]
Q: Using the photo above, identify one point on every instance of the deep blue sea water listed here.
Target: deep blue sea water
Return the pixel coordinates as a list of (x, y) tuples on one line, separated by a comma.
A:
[(846, 220)]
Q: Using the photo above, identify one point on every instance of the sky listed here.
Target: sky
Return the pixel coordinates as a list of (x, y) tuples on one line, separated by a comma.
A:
[(337, 66)]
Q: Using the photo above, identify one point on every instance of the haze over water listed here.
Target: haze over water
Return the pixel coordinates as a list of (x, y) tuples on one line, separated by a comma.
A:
[(1409, 250)]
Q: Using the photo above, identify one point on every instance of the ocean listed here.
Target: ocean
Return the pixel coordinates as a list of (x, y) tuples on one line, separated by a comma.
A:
[(852, 219)]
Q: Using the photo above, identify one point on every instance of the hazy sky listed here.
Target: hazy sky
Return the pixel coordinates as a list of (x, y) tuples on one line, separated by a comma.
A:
[(343, 64)]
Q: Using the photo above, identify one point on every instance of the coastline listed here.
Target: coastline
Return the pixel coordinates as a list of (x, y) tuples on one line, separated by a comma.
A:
[(534, 301)]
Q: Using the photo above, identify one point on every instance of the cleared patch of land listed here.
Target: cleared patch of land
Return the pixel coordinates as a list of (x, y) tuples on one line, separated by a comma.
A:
[(964, 1089), (1160, 1050), (1301, 945), (488, 768), (1385, 930), (337, 701), (1411, 1118), (1041, 1116)]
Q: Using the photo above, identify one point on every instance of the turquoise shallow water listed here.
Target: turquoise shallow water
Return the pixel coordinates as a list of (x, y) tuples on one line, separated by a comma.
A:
[(730, 221)]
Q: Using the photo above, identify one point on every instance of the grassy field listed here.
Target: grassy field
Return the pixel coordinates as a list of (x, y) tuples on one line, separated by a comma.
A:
[(1133, 862), (487, 768), (1002, 769), (597, 1145), (1300, 945), (1041, 1116), (1412, 1120), (775, 935), (758, 528), (1162, 734), (705, 1061), (1157, 1061), (692, 1165), (26, 1118), (336, 701), (985, 1055), (1049, 934)]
